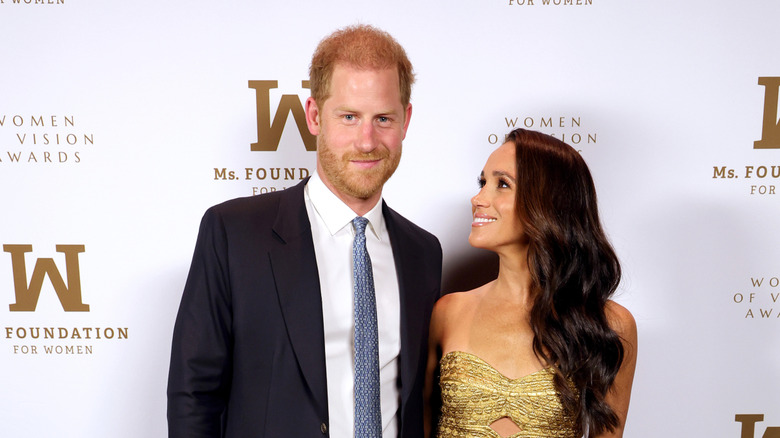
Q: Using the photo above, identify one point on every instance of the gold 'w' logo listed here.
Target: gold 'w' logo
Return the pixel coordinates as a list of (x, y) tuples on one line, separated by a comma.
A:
[(269, 134), (749, 426), (27, 295), (770, 133)]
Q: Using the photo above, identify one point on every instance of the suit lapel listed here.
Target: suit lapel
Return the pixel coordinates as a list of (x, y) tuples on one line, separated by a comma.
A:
[(406, 254), (294, 266)]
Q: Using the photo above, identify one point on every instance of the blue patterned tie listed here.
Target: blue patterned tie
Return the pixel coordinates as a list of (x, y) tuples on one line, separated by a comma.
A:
[(368, 413)]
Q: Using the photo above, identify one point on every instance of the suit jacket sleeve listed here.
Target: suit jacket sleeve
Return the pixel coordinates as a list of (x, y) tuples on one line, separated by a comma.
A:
[(199, 376)]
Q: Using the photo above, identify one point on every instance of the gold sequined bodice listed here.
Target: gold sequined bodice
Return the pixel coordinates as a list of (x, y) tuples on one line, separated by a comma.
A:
[(474, 395)]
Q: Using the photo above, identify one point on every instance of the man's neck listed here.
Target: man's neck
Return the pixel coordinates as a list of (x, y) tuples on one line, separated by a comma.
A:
[(360, 206)]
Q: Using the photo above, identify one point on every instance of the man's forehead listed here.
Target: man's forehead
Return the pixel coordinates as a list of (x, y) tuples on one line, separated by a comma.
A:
[(341, 79)]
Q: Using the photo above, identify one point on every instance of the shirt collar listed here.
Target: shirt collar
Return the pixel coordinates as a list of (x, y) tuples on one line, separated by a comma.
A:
[(335, 214)]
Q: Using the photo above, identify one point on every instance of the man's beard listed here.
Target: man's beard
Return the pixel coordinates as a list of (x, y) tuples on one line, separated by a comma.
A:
[(357, 183)]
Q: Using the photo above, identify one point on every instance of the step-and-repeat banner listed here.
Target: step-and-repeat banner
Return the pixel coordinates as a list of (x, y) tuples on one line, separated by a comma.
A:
[(121, 122)]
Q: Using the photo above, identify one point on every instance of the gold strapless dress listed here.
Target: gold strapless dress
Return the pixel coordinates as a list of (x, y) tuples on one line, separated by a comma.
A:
[(474, 395)]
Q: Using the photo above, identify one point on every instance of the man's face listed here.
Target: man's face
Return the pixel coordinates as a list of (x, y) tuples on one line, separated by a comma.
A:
[(359, 131)]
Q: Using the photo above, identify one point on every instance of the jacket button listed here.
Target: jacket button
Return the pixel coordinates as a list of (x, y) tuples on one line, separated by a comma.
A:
[(323, 428)]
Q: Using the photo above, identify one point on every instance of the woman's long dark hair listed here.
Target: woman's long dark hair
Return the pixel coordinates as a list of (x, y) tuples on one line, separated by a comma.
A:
[(574, 271)]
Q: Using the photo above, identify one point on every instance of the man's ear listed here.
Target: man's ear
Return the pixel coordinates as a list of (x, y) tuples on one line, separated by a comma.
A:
[(312, 116), (407, 117)]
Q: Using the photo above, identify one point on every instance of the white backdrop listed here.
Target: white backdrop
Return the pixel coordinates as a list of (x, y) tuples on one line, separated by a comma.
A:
[(121, 121)]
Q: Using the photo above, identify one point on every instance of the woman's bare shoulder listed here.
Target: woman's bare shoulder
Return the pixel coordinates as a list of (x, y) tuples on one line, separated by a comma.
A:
[(456, 302), (455, 306), (621, 321)]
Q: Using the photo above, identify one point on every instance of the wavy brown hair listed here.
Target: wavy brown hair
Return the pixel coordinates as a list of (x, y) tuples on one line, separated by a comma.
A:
[(574, 272)]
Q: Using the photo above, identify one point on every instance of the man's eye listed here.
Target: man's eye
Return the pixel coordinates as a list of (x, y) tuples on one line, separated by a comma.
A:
[(383, 120), (349, 117)]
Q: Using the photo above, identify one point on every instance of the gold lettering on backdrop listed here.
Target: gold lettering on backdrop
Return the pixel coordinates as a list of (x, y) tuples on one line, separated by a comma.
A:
[(54, 340), (770, 133), (544, 122), (66, 333), (35, 130), (569, 129), (262, 173), (551, 2), (749, 426), (53, 121), (770, 139), (276, 173), (269, 134), (37, 2), (758, 303), (27, 296)]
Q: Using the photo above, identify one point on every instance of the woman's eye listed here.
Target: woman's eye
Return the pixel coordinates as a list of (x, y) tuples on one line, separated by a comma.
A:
[(503, 184)]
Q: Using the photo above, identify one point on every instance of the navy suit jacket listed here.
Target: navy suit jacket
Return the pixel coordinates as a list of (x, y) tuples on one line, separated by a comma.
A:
[(248, 356)]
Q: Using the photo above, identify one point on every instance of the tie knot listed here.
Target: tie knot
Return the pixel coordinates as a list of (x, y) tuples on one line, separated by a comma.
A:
[(360, 225)]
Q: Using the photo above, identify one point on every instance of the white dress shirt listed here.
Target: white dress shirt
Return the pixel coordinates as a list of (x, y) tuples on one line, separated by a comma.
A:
[(333, 235)]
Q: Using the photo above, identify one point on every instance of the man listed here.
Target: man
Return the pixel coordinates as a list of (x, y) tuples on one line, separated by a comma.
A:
[(265, 342)]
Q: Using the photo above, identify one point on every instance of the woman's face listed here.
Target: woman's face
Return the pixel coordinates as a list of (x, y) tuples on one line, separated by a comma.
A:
[(495, 224)]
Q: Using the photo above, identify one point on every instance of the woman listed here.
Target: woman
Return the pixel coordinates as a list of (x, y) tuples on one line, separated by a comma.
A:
[(540, 351)]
